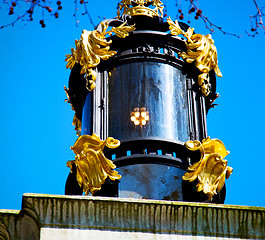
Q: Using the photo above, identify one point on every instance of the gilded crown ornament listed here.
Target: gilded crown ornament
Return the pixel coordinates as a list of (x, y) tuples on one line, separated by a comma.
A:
[(149, 8)]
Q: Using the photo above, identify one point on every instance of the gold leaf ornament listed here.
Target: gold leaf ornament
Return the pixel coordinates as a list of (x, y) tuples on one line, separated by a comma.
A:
[(200, 50), (92, 47), (212, 170), (122, 31), (78, 125), (176, 30), (92, 166)]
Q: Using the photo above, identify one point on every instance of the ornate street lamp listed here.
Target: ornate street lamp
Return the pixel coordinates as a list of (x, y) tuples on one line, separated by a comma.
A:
[(142, 91)]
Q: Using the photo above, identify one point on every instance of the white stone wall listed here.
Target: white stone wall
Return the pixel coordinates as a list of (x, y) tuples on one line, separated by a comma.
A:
[(84, 234)]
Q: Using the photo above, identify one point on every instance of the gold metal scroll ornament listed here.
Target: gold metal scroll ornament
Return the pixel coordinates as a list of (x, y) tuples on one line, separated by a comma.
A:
[(212, 170), (200, 50), (92, 47), (140, 7), (92, 166)]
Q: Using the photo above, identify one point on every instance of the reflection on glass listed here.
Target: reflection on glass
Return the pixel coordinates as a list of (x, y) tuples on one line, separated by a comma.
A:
[(159, 88), (87, 116)]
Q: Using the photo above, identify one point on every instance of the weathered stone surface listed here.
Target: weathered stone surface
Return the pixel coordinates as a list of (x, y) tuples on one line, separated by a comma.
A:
[(83, 217)]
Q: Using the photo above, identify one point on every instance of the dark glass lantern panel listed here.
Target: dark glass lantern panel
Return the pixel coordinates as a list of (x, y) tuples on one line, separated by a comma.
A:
[(157, 87), (87, 116)]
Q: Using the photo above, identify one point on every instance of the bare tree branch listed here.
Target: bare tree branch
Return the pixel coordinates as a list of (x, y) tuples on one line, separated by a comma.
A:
[(211, 26), (27, 15), (255, 20), (208, 24), (87, 13)]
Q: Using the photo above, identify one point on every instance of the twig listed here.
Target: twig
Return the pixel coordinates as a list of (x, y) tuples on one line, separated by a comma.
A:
[(258, 21), (259, 14), (90, 19), (29, 12), (75, 13), (207, 21), (12, 23)]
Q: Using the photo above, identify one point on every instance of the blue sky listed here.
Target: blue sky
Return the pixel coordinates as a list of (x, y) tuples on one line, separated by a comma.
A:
[(36, 124)]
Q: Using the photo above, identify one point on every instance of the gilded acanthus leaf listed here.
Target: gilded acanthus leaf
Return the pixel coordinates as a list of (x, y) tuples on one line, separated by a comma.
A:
[(78, 125), (92, 166), (212, 170), (92, 47), (159, 7), (70, 59), (174, 27), (122, 31), (200, 50), (176, 30)]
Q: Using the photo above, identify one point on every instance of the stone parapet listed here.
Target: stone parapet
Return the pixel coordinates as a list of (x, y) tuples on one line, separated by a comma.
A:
[(82, 217)]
